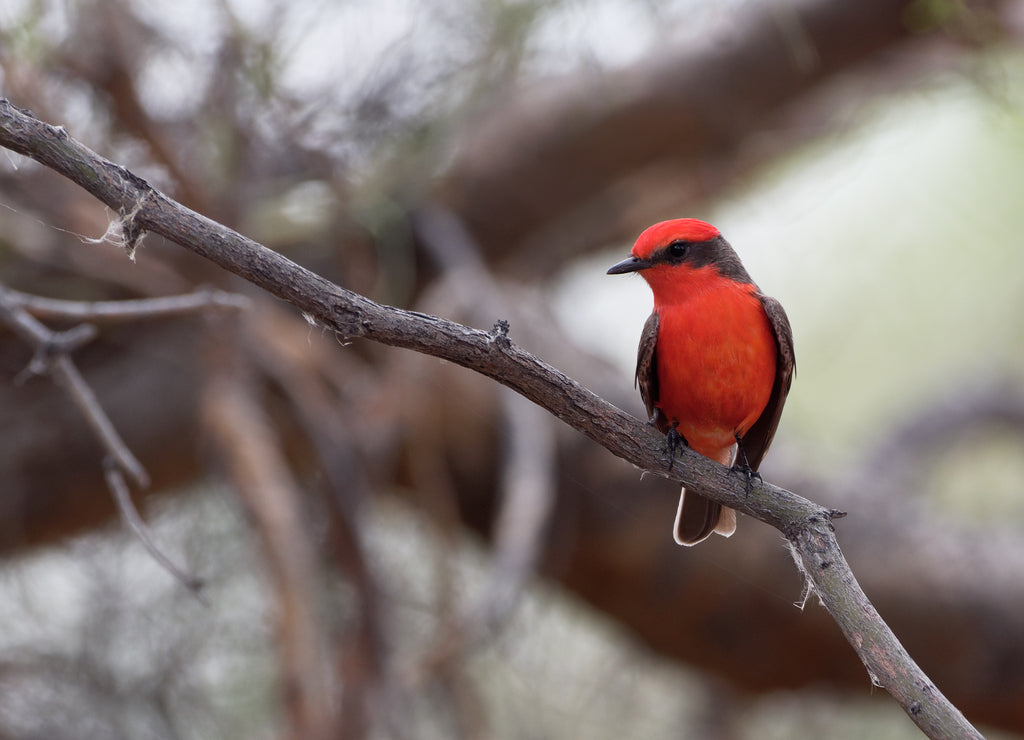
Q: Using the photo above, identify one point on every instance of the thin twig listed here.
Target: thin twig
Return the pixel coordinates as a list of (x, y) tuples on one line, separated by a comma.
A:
[(807, 525), (133, 520), (66, 374), (51, 357), (130, 310)]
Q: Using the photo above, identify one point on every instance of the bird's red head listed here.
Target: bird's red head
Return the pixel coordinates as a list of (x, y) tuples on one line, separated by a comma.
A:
[(681, 229), (675, 256)]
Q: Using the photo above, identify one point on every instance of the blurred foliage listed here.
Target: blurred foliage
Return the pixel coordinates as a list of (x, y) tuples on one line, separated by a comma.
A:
[(153, 662)]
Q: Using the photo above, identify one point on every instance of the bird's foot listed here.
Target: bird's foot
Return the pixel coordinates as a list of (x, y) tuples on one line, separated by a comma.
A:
[(742, 466), (674, 441), (748, 474)]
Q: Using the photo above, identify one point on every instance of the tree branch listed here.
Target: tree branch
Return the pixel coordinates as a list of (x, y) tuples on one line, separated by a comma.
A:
[(133, 520), (52, 356), (805, 524), (113, 311)]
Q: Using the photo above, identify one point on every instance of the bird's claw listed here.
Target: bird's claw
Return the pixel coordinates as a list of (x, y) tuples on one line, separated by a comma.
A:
[(674, 441), (748, 474)]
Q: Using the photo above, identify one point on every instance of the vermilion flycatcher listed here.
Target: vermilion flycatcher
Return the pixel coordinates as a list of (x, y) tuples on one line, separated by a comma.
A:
[(716, 357)]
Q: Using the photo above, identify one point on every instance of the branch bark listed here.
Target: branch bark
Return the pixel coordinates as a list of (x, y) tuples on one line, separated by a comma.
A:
[(806, 525)]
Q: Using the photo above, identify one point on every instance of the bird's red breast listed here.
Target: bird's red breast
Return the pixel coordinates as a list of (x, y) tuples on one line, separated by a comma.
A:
[(716, 357)]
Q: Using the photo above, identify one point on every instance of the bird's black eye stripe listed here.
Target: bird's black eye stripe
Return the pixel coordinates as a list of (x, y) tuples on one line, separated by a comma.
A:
[(678, 248)]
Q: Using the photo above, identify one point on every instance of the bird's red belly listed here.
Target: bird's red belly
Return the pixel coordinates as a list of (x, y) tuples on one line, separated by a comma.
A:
[(716, 367)]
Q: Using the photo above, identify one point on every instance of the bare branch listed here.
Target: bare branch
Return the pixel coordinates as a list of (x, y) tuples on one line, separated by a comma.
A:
[(130, 516), (805, 524), (112, 311), (51, 356)]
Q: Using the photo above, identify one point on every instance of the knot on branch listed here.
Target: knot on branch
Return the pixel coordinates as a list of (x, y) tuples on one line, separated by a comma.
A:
[(499, 334), (52, 345), (347, 321), (807, 525)]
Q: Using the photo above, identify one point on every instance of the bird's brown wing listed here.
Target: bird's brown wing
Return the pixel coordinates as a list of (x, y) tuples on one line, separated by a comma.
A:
[(757, 439), (647, 372)]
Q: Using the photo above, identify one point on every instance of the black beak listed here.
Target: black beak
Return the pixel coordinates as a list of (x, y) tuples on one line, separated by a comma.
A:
[(630, 264)]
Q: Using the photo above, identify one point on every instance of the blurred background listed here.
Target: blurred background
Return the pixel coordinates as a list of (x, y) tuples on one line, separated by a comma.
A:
[(393, 547)]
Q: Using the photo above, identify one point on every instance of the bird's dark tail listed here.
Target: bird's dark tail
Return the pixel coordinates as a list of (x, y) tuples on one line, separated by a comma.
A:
[(697, 517)]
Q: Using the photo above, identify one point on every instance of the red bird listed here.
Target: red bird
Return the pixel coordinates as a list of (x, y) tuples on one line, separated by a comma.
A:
[(716, 357)]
